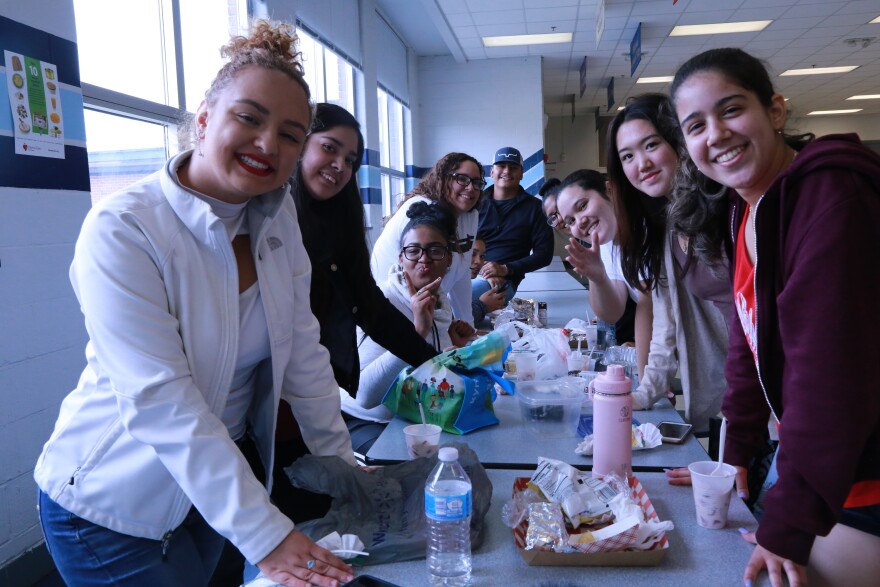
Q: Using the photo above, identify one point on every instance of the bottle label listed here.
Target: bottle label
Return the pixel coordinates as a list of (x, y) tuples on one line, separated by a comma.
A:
[(448, 508)]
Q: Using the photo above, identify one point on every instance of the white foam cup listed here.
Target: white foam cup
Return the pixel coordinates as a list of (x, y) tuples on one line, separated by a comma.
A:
[(712, 492), (422, 440)]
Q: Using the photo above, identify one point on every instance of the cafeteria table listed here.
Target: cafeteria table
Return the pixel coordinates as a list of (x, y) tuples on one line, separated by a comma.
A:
[(696, 555), (512, 445)]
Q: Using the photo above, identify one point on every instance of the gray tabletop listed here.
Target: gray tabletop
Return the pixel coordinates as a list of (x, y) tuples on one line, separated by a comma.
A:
[(696, 556), (511, 445)]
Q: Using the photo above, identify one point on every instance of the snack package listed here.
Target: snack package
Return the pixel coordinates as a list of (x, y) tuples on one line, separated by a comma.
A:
[(546, 528), (583, 499)]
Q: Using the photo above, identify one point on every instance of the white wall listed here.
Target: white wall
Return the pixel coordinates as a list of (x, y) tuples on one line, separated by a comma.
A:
[(42, 337), (477, 107), (867, 126)]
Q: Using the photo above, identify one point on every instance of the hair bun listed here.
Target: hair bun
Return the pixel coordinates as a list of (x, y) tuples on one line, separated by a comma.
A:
[(419, 209)]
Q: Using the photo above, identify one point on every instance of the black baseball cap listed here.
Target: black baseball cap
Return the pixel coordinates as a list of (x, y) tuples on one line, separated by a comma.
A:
[(508, 155)]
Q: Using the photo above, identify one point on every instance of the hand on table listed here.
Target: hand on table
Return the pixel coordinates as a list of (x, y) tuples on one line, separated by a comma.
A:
[(680, 476), (423, 302), (586, 261), (299, 562), (461, 333), (775, 565)]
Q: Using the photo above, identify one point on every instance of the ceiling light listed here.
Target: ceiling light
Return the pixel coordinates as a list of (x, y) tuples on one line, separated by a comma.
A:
[(720, 28), (823, 112), (819, 70), (655, 80), (512, 40), (875, 21), (865, 97)]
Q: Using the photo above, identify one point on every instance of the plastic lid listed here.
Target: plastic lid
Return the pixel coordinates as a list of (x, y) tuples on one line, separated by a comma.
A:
[(612, 381), (448, 454)]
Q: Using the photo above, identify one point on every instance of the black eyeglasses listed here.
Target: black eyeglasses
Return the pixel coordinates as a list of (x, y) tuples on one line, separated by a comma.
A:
[(434, 252), (466, 180), (554, 220)]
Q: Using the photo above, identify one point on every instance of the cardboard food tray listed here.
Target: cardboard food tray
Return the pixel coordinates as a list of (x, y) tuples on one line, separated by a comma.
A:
[(625, 558)]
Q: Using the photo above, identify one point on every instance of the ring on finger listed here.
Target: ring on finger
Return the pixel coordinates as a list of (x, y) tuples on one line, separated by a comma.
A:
[(311, 564)]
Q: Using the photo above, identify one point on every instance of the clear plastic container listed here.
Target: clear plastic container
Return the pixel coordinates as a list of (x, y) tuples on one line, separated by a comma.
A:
[(448, 508), (550, 409)]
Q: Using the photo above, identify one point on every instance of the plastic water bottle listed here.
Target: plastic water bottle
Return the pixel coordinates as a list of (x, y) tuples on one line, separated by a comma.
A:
[(448, 511), (611, 393)]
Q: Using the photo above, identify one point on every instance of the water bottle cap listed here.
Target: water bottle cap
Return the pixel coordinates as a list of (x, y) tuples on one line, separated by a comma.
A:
[(448, 454), (613, 380)]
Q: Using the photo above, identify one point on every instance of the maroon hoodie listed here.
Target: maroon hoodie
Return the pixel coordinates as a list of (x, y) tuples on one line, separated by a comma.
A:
[(817, 283)]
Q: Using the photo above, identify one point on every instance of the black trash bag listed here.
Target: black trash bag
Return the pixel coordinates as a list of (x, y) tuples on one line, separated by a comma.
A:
[(386, 507)]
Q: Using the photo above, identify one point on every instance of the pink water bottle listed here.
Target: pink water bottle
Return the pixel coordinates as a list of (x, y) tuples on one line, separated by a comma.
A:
[(612, 422)]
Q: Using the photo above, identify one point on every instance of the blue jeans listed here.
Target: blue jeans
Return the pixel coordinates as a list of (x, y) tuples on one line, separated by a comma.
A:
[(88, 554), (479, 286)]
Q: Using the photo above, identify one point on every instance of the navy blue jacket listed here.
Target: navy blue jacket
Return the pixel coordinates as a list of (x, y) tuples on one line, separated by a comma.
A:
[(521, 239)]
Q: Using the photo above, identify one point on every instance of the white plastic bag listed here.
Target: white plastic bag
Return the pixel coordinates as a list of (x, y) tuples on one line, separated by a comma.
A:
[(551, 345)]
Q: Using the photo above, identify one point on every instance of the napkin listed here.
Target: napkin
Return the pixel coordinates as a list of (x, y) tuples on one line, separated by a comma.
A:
[(643, 436), (345, 546)]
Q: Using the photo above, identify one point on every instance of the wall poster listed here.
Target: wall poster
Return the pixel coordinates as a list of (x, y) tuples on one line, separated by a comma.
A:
[(35, 100)]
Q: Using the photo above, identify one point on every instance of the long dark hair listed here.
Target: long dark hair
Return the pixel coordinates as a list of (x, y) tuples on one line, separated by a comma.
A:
[(345, 208), (641, 219), (699, 208)]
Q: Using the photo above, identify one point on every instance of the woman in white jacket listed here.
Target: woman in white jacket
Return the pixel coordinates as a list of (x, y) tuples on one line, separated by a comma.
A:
[(456, 181), (412, 286), (194, 284)]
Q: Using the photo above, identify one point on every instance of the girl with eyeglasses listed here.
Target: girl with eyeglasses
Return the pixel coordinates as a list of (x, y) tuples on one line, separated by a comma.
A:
[(456, 183), (691, 301), (801, 232), (413, 287)]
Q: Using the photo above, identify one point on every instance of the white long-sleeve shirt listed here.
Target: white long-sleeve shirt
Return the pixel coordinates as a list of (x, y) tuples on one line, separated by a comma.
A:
[(457, 282)]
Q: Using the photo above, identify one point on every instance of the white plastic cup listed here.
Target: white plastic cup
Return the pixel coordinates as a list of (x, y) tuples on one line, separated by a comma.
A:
[(422, 440), (526, 366), (592, 335), (575, 361), (712, 492)]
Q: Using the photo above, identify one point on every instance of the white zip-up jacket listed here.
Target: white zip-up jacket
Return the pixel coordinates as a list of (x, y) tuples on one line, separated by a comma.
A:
[(140, 440)]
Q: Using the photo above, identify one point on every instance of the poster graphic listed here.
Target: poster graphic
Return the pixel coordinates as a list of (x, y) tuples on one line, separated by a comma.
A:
[(35, 99)]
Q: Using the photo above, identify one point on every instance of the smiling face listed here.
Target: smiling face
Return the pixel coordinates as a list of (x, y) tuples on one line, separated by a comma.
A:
[(730, 135), (253, 135), (648, 161), (507, 176), (551, 211), (464, 198), (328, 161), (479, 258), (586, 211), (424, 270)]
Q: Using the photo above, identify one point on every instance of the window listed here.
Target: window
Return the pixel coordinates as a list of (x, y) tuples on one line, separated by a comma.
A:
[(392, 148), (330, 76), (143, 64)]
